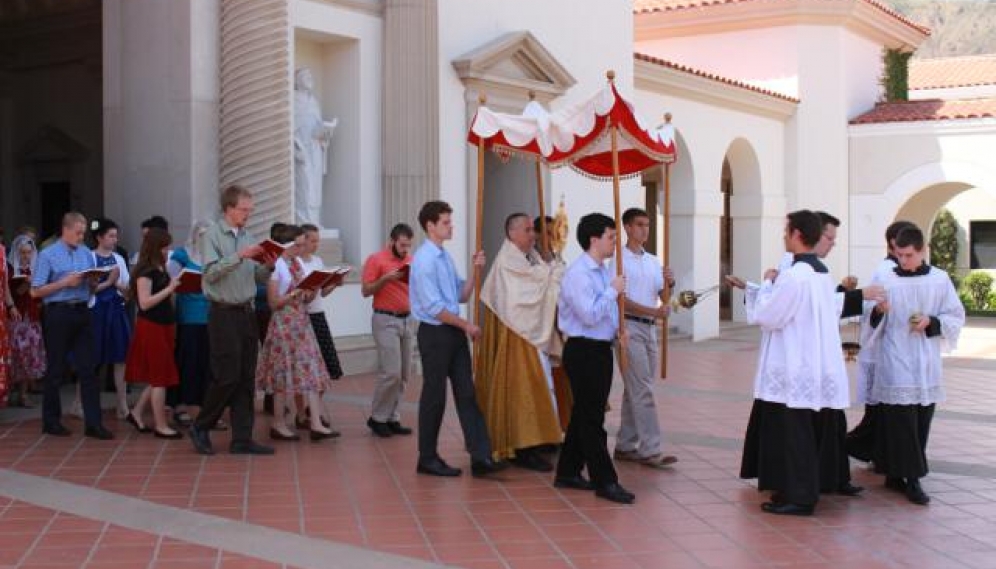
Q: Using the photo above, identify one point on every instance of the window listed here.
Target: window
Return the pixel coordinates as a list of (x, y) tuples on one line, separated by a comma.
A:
[(982, 244)]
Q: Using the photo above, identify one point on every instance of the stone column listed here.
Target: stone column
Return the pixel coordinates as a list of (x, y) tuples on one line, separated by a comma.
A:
[(411, 108), (256, 98)]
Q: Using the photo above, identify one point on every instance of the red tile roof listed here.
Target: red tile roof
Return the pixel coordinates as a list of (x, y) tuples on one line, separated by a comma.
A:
[(947, 72), (929, 110), (711, 76), (651, 6)]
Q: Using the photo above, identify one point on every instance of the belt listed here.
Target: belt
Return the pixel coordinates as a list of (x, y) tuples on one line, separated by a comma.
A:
[(641, 320), (67, 303), (242, 306), (389, 313), (584, 340)]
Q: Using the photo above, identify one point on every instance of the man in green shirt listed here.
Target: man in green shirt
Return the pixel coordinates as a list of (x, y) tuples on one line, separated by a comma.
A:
[(233, 263)]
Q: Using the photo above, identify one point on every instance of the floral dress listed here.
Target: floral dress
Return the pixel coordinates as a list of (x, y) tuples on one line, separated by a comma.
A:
[(290, 361), (27, 347), (4, 340)]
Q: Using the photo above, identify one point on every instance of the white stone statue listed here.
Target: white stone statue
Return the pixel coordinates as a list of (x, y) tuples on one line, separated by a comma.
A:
[(312, 136)]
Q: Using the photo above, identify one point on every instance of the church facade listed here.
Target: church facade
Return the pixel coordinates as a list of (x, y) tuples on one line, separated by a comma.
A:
[(130, 108)]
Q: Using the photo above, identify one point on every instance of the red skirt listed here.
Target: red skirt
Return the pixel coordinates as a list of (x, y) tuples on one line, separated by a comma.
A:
[(151, 355)]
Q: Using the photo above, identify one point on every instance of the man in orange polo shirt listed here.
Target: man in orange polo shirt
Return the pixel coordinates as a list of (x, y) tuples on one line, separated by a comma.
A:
[(385, 277)]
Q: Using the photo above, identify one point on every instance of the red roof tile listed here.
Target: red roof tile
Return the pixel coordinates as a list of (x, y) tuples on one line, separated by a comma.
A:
[(651, 6), (929, 110), (947, 72), (711, 76)]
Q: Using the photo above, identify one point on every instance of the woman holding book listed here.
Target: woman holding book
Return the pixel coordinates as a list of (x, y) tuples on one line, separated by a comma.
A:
[(150, 356), (290, 362), (191, 331), (111, 325), (27, 350)]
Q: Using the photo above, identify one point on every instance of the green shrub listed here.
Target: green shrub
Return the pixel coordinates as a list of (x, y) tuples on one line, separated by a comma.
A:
[(966, 300), (991, 301), (978, 285)]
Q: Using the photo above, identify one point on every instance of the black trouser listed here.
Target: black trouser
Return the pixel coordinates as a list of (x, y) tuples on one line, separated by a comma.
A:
[(68, 329), (234, 341), (901, 440), (588, 364), (445, 353)]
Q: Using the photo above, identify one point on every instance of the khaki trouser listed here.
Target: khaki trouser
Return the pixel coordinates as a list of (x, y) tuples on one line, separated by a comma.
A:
[(639, 429), (394, 339)]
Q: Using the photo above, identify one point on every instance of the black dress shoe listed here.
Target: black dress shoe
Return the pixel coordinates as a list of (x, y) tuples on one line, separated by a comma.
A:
[(573, 482), (398, 429), (916, 494), (278, 436), (171, 436), (787, 509), (531, 460), (250, 447), (201, 440), (436, 467), (480, 468), (848, 489), (98, 432), (382, 430), (138, 426), (895, 483), (615, 493), (56, 430)]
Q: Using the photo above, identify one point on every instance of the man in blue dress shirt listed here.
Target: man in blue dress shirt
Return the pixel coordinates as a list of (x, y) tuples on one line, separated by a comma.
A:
[(588, 314), (59, 281), (436, 292)]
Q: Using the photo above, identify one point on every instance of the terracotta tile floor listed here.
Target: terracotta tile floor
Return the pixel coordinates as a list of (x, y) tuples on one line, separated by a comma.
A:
[(362, 490)]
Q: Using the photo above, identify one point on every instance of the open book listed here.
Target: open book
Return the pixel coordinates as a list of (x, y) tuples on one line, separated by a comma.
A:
[(96, 271), (406, 272), (190, 282), (272, 247), (320, 279), (17, 281)]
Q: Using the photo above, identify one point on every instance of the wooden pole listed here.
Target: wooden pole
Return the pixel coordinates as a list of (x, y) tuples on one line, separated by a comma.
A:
[(667, 262), (479, 225), (540, 198), (667, 255), (614, 130)]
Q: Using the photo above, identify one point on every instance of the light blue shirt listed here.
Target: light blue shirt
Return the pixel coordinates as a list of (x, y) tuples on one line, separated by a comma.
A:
[(55, 262), (434, 285), (587, 305)]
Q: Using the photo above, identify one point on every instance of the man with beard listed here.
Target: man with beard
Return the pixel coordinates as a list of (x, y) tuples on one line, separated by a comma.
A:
[(385, 278)]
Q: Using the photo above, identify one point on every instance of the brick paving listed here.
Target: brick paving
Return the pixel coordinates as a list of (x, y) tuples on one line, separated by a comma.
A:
[(363, 491)]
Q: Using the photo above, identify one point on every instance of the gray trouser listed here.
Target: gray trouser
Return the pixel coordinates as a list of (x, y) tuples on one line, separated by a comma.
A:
[(639, 429), (393, 337)]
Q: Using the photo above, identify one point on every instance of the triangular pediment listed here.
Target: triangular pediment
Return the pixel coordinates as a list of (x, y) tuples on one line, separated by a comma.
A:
[(515, 60), (52, 145)]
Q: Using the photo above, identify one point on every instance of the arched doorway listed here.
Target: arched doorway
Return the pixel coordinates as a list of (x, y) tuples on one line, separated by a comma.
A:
[(742, 223)]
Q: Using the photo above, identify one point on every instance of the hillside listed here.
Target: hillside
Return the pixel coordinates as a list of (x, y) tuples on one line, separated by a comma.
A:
[(959, 27)]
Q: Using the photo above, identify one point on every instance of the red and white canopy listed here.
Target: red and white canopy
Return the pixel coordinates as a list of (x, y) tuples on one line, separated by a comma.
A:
[(578, 136)]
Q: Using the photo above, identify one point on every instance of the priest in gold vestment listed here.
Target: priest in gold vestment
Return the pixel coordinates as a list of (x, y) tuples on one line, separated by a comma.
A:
[(514, 382)]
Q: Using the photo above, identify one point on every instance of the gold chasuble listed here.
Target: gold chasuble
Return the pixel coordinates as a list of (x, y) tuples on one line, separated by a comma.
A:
[(520, 313)]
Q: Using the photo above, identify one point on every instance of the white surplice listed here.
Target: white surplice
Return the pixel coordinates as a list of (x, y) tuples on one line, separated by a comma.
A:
[(868, 356), (800, 362), (908, 370)]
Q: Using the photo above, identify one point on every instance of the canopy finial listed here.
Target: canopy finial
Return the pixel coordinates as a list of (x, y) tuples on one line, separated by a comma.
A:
[(610, 75), (482, 99), (667, 118), (532, 95)]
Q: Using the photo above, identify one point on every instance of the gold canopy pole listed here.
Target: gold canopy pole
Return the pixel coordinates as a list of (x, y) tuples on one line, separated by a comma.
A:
[(667, 257)]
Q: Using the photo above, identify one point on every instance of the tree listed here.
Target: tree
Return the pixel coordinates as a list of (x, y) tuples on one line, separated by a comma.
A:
[(944, 242)]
